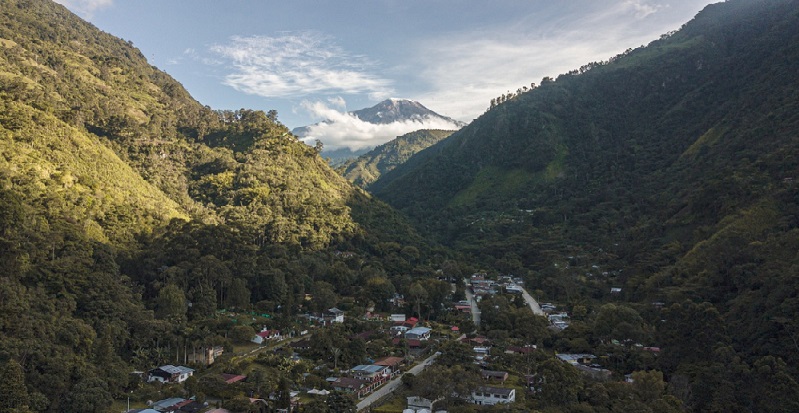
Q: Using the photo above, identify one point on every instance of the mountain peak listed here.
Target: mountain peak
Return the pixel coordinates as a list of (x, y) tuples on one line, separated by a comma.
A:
[(394, 109)]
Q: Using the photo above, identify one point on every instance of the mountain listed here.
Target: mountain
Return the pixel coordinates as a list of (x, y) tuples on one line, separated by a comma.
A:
[(398, 110), (395, 115), (340, 156), (669, 171), (384, 158), (130, 213)]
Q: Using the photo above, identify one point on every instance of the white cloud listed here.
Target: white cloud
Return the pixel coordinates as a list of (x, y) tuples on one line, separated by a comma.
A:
[(342, 129), (464, 71), (640, 8), (85, 8), (298, 64)]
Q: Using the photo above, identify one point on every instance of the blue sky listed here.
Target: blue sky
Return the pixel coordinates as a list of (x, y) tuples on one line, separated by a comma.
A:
[(310, 58)]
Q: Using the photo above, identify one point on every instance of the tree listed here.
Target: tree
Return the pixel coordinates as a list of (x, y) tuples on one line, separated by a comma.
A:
[(13, 393), (419, 294), (338, 402), (89, 395), (171, 304), (617, 321), (241, 334), (560, 382), (238, 295)]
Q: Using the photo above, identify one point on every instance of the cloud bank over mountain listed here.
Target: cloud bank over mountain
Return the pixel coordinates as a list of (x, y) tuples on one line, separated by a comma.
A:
[(360, 129)]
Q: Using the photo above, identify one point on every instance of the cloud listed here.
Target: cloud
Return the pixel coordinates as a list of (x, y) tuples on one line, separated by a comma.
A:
[(640, 8), (343, 129), (463, 71), (85, 8), (298, 64)]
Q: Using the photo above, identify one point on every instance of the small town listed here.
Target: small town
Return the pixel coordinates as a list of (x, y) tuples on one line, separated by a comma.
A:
[(375, 361)]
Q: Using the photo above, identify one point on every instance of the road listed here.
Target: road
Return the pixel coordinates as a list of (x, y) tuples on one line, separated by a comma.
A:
[(393, 384), (532, 303), (473, 303)]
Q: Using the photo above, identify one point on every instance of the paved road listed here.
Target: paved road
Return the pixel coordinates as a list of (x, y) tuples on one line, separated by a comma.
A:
[(393, 384), (473, 303), (532, 303)]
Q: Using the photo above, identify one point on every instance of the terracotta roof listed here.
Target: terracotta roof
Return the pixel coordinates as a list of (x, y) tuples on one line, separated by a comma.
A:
[(389, 361), (232, 378)]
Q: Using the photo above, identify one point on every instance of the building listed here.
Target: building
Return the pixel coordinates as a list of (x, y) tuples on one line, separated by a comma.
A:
[(169, 374), (419, 404), (333, 315), (357, 387), (489, 396), (500, 376), (418, 333), (265, 335), (392, 363)]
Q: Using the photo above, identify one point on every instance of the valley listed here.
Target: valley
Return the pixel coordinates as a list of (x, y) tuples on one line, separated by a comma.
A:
[(622, 237)]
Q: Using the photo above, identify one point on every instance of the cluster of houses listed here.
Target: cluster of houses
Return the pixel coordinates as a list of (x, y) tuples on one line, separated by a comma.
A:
[(482, 286), (558, 320), (365, 378)]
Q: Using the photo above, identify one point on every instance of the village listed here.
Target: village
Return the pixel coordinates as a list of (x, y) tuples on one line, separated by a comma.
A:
[(369, 359)]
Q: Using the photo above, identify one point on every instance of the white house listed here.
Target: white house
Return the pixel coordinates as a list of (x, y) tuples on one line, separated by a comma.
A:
[(266, 334), (489, 396), (334, 315), (170, 374)]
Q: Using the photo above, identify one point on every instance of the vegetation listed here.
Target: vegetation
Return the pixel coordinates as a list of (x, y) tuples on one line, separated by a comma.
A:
[(368, 167), (130, 215), (668, 172), (140, 228)]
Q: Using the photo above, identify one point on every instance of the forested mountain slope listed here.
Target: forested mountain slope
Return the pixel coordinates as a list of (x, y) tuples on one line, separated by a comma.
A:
[(669, 171), (122, 200), (368, 167)]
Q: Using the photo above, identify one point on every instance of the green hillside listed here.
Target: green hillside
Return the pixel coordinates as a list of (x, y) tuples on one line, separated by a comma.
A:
[(368, 167), (130, 215), (668, 171)]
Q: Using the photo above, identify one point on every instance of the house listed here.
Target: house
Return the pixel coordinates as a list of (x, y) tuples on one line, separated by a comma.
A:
[(301, 344), (489, 396), (357, 387), (520, 350), (513, 289), (479, 340), (206, 357), (397, 318), (265, 335), (371, 372), (232, 378), (392, 363), (499, 376), (419, 404), (169, 374), (463, 308), (418, 333), (171, 405), (576, 358), (412, 343), (333, 315)]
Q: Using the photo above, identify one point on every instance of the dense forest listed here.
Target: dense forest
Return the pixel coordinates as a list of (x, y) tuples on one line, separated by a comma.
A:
[(668, 172), (122, 199), (367, 168), (652, 196)]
